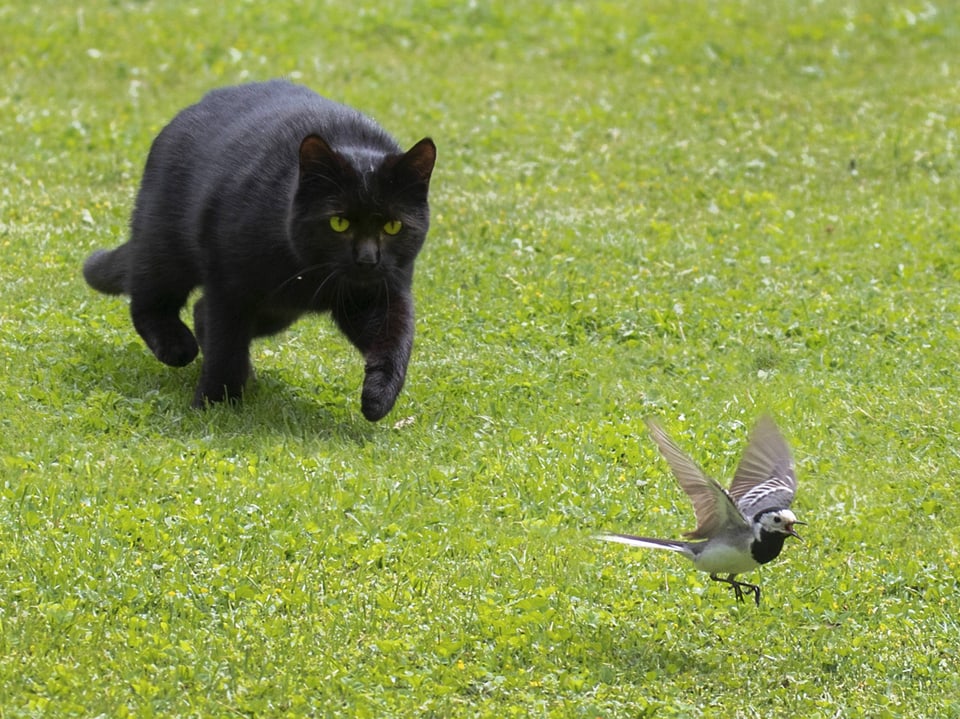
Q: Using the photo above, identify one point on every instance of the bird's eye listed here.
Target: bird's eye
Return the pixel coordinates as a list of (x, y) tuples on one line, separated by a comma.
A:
[(777, 519)]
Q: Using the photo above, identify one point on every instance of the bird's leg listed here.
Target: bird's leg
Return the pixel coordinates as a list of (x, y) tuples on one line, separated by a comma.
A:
[(738, 587), (737, 592)]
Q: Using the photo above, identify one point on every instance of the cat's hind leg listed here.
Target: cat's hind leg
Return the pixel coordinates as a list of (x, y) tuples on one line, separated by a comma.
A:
[(155, 311), (225, 336)]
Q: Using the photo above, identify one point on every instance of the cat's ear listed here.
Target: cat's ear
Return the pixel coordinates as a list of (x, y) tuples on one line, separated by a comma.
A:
[(317, 158), (419, 160)]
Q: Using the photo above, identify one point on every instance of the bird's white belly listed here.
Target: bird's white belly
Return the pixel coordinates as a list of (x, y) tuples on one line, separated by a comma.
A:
[(723, 559)]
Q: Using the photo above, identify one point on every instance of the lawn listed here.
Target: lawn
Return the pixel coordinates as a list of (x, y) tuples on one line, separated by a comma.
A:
[(699, 211)]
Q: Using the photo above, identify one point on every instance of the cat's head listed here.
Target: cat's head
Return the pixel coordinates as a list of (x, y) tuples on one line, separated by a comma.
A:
[(360, 214)]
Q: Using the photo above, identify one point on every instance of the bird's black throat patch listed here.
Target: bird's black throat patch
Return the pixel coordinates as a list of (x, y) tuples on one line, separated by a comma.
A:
[(768, 547)]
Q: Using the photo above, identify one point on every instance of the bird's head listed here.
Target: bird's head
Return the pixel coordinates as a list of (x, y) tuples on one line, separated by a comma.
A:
[(779, 521)]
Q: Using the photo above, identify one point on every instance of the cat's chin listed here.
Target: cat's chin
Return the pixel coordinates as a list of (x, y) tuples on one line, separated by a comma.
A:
[(365, 278)]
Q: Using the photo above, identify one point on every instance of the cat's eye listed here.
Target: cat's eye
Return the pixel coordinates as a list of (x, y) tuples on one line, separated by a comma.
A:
[(339, 224), (393, 227)]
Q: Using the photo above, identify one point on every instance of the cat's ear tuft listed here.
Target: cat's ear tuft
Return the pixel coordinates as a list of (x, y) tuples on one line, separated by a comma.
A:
[(420, 159), (316, 156)]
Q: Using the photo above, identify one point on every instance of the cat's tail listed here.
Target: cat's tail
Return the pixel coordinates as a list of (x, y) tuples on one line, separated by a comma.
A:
[(106, 270)]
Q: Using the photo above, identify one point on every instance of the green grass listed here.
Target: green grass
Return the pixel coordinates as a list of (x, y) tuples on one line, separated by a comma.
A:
[(696, 210)]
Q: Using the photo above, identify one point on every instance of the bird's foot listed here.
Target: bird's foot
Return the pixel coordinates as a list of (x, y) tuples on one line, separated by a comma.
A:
[(738, 587), (753, 588)]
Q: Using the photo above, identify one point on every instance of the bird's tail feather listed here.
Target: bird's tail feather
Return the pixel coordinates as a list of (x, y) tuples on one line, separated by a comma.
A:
[(650, 542)]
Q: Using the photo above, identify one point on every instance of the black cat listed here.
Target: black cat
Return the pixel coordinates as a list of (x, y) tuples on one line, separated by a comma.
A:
[(277, 202)]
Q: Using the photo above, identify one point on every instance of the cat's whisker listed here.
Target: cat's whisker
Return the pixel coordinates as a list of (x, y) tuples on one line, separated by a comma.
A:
[(300, 274), (319, 289)]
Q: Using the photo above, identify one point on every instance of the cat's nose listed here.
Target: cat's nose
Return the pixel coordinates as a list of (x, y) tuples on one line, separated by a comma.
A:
[(367, 255)]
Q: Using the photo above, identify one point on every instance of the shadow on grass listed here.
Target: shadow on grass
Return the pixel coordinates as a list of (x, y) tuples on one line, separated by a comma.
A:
[(636, 652), (129, 386)]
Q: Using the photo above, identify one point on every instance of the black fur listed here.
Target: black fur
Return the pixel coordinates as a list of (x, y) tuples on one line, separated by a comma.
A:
[(237, 198)]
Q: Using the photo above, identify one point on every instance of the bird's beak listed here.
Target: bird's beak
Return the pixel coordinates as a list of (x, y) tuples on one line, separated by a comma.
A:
[(792, 532)]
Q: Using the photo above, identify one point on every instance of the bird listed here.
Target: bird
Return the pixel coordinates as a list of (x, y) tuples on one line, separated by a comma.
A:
[(738, 529)]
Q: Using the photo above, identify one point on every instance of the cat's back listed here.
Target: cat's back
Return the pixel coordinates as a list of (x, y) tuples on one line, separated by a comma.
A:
[(233, 157), (268, 120)]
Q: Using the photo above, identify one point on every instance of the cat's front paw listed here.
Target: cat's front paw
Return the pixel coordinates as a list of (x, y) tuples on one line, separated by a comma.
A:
[(177, 352), (170, 340), (376, 406), (224, 386), (380, 391), (205, 397)]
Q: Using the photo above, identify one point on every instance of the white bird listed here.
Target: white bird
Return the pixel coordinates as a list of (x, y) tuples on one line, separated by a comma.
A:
[(741, 528)]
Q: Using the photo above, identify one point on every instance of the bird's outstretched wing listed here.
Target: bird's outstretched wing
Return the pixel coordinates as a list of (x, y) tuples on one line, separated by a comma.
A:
[(714, 508), (765, 477)]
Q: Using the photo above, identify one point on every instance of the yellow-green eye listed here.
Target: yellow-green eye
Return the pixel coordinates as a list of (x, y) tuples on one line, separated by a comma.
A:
[(392, 227), (339, 224)]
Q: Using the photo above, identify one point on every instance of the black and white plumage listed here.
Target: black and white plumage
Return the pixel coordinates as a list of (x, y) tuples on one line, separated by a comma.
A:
[(740, 528)]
